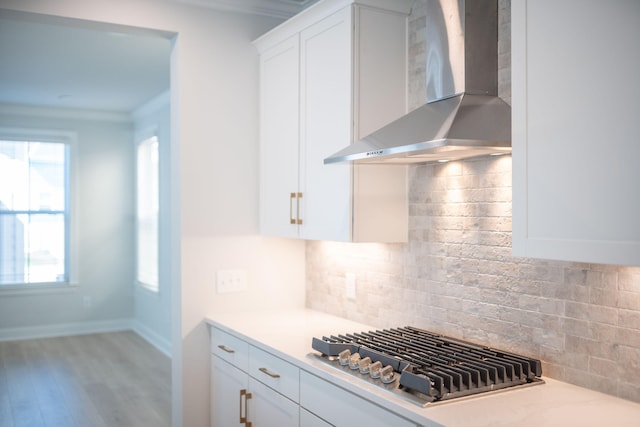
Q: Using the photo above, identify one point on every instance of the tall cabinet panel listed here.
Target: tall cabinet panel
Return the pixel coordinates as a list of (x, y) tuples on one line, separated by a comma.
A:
[(576, 103), (279, 131), (325, 111), (351, 71)]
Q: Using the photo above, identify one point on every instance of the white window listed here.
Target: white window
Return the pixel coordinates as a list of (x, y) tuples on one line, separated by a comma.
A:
[(34, 212), (147, 210)]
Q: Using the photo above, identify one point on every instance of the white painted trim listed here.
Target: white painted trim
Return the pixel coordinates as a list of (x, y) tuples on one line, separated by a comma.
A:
[(151, 106), (64, 329), (70, 138), (63, 113), (161, 343), (274, 8), (319, 11)]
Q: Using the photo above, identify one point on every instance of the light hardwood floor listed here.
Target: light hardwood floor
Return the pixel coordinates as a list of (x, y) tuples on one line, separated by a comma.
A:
[(102, 380)]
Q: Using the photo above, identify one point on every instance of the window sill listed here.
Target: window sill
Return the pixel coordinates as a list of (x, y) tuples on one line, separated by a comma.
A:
[(40, 288)]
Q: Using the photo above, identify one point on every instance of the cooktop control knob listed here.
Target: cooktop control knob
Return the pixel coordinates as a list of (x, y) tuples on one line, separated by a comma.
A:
[(353, 361), (364, 365), (343, 357), (387, 375), (374, 369)]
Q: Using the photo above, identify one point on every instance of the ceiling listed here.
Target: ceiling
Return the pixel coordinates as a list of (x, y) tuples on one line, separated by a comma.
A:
[(49, 64), (59, 66)]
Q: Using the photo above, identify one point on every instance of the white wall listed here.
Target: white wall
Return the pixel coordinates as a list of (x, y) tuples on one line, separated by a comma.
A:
[(102, 214), (214, 125), (152, 310)]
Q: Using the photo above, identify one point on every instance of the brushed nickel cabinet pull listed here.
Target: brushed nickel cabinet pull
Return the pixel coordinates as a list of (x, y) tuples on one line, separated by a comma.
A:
[(292, 220), (247, 396), (299, 221), (226, 349), (268, 372)]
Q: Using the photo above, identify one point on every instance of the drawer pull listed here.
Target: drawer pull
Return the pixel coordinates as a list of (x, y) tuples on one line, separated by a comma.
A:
[(292, 220), (268, 372), (299, 220), (244, 417), (226, 349)]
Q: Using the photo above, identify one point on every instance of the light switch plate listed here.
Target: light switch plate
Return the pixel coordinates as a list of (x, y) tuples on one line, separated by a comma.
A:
[(229, 281)]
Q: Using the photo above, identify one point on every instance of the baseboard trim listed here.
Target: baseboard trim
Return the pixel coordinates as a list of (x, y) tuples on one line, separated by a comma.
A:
[(156, 340), (65, 329)]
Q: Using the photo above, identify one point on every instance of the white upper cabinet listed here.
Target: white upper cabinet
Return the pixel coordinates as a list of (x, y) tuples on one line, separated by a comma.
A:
[(576, 130), (279, 129), (330, 75)]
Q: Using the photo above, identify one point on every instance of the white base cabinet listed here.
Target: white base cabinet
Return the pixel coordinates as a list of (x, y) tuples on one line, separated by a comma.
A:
[(226, 383), (250, 387), (331, 75), (268, 408), (575, 106), (341, 408), (307, 419)]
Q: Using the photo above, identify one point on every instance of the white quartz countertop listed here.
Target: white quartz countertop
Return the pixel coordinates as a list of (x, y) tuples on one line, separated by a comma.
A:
[(288, 334)]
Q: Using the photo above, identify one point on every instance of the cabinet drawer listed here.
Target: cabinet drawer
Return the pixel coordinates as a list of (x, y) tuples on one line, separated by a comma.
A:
[(342, 408), (230, 348), (307, 419), (275, 373)]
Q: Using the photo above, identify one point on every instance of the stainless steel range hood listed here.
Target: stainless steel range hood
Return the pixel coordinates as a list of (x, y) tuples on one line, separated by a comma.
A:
[(463, 116)]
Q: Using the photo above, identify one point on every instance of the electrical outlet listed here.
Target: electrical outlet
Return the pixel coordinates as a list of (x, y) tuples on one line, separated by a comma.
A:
[(229, 281), (350, 286)]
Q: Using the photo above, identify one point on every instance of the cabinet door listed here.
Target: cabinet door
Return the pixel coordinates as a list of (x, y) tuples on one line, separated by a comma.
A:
[(279, 106), (576, 103), (326, 117), (307, 419), (226, 383), (341, 408), (268, 408)]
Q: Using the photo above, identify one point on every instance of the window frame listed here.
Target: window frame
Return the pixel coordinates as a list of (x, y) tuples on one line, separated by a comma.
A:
[(69, 139), (140, 138)]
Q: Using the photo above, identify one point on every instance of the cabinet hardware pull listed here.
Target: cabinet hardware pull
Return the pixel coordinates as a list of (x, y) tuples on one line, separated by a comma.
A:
[(292, 220), (268, 372), (247, 396), (299, 222), (225, 348)]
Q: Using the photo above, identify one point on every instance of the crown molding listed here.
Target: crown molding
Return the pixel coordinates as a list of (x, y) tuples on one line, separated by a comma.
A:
[(282, 9), (63, 113)]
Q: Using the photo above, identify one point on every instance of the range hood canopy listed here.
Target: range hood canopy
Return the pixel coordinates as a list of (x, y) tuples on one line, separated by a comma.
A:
[(463, 116)]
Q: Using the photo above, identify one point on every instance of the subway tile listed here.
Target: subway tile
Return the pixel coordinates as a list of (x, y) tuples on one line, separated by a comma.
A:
[(602, 367), (629, 300), (576, 327), (605, 384), (629, 279), (628, 336), (591, 347), (603, 297), (629, 390), (548, 338), (629, 364), (629, 319)]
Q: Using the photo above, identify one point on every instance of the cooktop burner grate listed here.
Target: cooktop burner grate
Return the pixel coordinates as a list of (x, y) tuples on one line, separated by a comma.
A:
[(428, 366)]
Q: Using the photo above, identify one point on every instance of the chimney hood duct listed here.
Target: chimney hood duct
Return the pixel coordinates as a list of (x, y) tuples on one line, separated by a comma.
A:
[(463, 116)]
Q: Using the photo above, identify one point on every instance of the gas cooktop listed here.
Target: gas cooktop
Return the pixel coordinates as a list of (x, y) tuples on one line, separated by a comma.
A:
[(424, 367)]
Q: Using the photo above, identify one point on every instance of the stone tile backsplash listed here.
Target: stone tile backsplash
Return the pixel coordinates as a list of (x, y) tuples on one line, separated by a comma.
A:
[(456, 275)]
